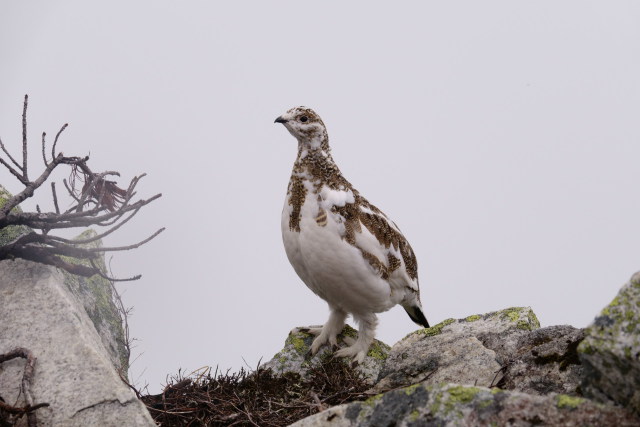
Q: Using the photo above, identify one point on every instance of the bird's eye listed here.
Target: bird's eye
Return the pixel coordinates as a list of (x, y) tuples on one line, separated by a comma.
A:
[(303, 119)]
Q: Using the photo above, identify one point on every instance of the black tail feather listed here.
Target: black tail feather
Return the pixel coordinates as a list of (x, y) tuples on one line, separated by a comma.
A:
[(416, 314)]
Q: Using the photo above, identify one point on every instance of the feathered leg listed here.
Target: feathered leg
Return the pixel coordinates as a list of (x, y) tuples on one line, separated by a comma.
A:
[(330, 330), (366, 332)]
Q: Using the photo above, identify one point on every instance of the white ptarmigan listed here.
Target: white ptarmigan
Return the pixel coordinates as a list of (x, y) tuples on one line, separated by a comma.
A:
[(343, 248)]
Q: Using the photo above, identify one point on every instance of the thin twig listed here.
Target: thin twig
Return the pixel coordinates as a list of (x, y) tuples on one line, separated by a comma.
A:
[(44, 157), (128, 247), (25, 175), (55, 197), (97, 236), (104, 276), (27, 378), (13, 171), (64, 181), (55, 141), (9, 155), (16, 410)]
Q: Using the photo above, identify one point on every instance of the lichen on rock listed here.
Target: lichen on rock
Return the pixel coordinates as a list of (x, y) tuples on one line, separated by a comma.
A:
[(12, 232), (74, 373), (452, 350), (458, 405), (295, 356), (97, 296), (95, 293), (611, 350), (541, 361)]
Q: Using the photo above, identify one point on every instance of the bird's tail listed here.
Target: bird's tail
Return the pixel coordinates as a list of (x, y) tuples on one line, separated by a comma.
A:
[(415, 313)]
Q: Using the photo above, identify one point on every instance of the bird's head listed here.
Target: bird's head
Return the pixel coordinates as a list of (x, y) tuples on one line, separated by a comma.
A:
[(305, 125)]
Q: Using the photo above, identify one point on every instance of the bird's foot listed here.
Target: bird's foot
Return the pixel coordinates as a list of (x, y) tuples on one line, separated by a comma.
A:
[(323, 338), (357, 351), (348, 340)]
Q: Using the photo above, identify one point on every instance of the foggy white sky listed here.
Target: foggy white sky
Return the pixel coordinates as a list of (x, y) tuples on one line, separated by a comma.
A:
[(503, 138)]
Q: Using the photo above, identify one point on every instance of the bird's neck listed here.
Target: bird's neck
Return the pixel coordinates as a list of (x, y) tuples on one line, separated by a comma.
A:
[(314, 163), (314, 147)]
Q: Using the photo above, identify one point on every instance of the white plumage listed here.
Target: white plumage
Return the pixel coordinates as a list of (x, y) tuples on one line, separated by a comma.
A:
[(343, 248)]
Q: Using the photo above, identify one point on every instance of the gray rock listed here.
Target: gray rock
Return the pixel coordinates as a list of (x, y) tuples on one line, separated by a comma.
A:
[(96, 295), (610, 352), (455, 405), (544, 361), (452, 351), (295, 356), (74, 372)]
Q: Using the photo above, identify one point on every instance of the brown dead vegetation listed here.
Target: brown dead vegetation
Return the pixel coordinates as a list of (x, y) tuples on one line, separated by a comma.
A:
[(255, 398)]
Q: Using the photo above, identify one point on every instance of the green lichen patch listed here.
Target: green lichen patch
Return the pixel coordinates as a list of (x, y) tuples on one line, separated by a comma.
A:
[(621, 317), (524, 325), (411, 389), (611, 347), (458, 395), (373, 400), (296, 356), (379, 350), (523, 317), (4, 196), (473, 318), (438, 396), (437, 329), (297, 342), (511, 313), (12, 232), (485, 403), (533, 320), (96, 294), (564, 401), (348, 331), (462, 394)]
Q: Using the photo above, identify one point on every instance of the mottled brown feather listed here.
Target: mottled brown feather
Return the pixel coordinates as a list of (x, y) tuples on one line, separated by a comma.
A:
[(321, 170)]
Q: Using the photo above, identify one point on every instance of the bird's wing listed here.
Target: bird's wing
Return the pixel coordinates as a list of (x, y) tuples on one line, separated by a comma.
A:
[(377, 237)]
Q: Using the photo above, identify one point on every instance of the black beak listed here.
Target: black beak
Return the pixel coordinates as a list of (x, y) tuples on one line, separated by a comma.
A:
[(280, 120)]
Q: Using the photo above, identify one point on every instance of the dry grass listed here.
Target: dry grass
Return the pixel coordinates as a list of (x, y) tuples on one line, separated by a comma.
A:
[(256, 398)]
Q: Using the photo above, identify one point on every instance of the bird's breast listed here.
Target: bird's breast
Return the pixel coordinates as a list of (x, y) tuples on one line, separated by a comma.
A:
[(314, 235)]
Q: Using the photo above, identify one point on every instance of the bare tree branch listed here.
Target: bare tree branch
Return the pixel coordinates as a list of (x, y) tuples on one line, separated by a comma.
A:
[(70, 191), (25, 175), (97, 202), (55, 141), (9, 155), (104, 276), (27, 379), (44, 157), (12, 170), (128, 247), (55, 197)]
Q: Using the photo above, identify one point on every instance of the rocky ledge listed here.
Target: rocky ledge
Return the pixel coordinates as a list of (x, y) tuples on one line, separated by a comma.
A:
[(498, 368)]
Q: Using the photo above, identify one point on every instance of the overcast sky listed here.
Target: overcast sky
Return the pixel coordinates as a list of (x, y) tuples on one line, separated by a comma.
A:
[(503, 138)]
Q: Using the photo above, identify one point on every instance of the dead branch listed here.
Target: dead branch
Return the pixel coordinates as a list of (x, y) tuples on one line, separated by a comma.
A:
[(25, 386), (24, 139), (95, 201)]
